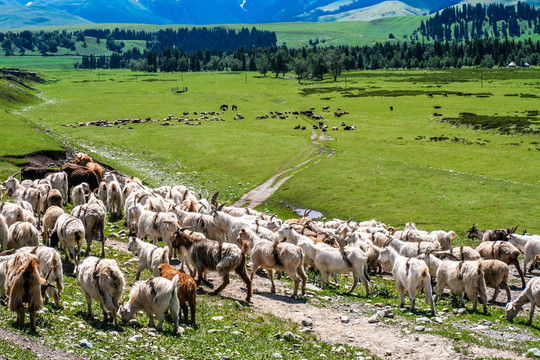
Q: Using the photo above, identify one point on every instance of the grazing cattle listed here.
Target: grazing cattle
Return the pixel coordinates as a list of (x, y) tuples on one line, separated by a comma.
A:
[(391, 108), (82, 159), (35, 173), (429, 95), (335, 128), (234, 108)]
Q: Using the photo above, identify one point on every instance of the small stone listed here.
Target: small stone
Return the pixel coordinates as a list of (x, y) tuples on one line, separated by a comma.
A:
[(445, 309), (350, 334), (277, 355), (307, 322), (422, 320), (454, 311), (488, 323), (374, 319), (236, 332), (407, 331), (379, 305), (85, 344), (114, 333), (381, 313), (307, 330), (388, 352), (419, 328), (461, 311), (63, 318), (100, 333), (534, 351), (289, 336), (345, 319), (217, 318), (135, 338), (437, 320), (212, 331), (82, 326), (114, 235), (134, 322)]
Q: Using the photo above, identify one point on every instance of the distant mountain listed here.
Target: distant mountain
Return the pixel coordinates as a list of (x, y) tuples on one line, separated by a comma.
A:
[(204, 12)]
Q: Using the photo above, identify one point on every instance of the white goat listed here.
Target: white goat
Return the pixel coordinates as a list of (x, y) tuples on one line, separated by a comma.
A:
[(78, 194), (101, 280), (114, 198), (273, 255), (156, 225), (529, 245), (22, 234), (462, 277), (102, 192), (70, 233), (343, 260), (12, 212), (4, 233), (530, 294), (410, 275), (59, 181), (93, 217), (411, 249), (150, 256), (154, 297), (50, 268)]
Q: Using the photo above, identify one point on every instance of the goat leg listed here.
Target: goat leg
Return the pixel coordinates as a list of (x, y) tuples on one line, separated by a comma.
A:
[(532, 314), (224, 284)]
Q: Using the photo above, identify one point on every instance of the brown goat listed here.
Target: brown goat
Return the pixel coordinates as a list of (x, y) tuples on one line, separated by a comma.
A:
[(82, 159), (187, 290), (25, 285), (218, 256), (501, 250)]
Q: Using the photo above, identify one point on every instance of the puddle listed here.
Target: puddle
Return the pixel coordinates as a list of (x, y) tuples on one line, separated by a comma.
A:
[(313, 214)]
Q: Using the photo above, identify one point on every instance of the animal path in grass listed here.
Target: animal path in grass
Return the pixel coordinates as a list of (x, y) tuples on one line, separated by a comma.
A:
[(262, 192), (379, 339), (40, 350)]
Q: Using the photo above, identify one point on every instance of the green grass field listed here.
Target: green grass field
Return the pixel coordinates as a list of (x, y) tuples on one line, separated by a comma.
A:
[(386, 169)]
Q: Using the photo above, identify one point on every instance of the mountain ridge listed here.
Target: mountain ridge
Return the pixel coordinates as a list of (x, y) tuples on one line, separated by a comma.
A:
[(23, 13)]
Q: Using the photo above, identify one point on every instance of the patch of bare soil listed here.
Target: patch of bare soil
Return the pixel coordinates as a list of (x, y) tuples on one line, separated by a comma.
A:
[(41, 351), (262, 192)]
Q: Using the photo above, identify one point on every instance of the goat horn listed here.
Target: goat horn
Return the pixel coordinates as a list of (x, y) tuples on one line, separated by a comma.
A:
[(7, 252), (220, 207), (513, 230), (387, 242), (214, 198), (17, 173), (348, 221), (273, 216)]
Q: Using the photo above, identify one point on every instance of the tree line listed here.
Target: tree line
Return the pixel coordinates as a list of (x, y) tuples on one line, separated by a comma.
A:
[(477, 21), (315, 62), (218, 38)]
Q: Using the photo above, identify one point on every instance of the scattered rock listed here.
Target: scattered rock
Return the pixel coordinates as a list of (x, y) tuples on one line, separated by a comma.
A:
[(100, 333), (217, 318), (277, 355), (307, 322), (379, 305), (114, 333), (63, 318), (135, 338), (374, 319), (307, 330), (289, 336), (422, 320), (114, 235), (461, 311), (534, 351), (212, 331), (345, 319), (85, 344), (437, 320), (420, 328), (388, 352)]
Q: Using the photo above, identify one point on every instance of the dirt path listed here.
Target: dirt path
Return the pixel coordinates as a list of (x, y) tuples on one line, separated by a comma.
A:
[(262, 192), (380, 339), (41, 351)]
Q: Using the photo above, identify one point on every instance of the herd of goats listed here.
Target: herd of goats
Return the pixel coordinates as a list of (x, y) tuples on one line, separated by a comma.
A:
[(208, 236)]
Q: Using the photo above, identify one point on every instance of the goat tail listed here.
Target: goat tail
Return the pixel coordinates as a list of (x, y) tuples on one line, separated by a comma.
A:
[(165, 254), (175, 281)]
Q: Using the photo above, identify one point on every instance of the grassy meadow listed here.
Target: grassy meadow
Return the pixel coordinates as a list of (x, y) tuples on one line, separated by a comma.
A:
[(388, 168)]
